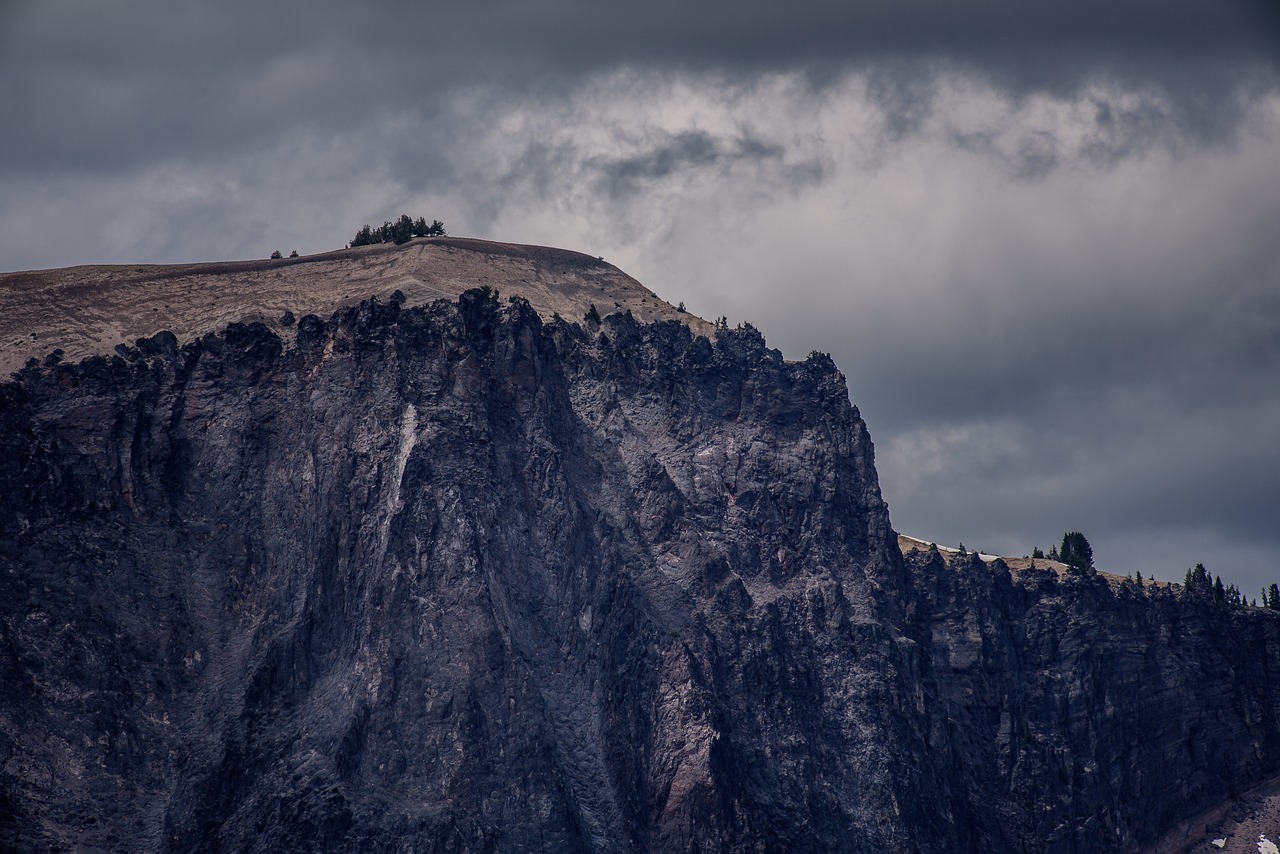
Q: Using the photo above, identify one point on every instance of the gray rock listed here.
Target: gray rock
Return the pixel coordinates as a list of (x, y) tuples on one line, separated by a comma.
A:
[(452, 578)]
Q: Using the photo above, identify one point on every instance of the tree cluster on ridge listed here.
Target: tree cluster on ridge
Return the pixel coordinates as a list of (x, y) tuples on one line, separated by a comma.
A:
[(399, 231)]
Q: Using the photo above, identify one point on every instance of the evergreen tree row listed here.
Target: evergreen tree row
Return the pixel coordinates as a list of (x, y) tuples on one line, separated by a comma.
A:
[(400, 231), (1271, 597), (1198, 584)]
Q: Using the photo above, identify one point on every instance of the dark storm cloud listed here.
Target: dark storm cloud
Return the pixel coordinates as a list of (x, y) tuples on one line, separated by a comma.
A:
[(681, 152), (577, 33), (108, 85)]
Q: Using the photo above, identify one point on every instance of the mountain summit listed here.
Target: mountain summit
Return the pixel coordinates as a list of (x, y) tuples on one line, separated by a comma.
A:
[(89, 310)]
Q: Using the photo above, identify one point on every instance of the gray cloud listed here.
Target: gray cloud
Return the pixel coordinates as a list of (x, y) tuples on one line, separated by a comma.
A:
[(92, 87), (677, 153), (1036, 237)]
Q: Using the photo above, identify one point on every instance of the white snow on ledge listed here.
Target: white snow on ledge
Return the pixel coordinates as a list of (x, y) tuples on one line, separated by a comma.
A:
[(924, 545)]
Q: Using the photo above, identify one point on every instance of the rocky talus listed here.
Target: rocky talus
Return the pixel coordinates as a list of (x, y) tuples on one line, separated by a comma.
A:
[(459, 577)]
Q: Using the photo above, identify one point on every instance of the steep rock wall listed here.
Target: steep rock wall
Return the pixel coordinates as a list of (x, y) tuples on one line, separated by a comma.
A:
[(1085, 715), (456, 578), (452, 578)]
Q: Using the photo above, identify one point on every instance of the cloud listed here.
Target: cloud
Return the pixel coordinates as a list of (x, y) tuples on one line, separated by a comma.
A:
[(675, 154), (93, 87)]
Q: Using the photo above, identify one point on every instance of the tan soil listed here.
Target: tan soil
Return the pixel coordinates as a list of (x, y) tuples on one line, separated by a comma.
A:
[(89, 310), (1016, 564)]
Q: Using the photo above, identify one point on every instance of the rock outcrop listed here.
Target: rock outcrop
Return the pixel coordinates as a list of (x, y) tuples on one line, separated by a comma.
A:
[(1080, 713), (459, 577)]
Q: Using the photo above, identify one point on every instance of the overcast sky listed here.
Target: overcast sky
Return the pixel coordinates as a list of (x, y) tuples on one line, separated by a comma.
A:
[(1040, 239)]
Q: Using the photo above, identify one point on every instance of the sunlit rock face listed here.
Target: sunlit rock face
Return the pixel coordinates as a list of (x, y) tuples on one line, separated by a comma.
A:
[(456, 577)]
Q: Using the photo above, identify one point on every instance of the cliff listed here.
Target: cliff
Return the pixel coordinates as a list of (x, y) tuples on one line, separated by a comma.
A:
[(468, 576), (1086, 713)]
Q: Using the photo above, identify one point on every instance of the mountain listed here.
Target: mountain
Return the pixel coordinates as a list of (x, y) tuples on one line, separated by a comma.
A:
[(436, 564)]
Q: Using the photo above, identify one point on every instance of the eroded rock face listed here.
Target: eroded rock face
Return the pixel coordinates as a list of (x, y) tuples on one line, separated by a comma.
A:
[(1086, 715), (450, 578), (453, 578)]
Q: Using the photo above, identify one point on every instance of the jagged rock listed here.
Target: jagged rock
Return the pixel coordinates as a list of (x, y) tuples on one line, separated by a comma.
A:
[(450, 577), (453, 577), (1086, 714)]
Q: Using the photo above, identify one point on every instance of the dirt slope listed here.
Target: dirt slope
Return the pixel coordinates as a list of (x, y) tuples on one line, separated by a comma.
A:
[(91, 309)]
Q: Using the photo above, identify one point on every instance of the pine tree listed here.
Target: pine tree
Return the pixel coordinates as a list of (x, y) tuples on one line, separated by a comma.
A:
[(365, 237), (1197, 583), (402, 229), (1076, 552)]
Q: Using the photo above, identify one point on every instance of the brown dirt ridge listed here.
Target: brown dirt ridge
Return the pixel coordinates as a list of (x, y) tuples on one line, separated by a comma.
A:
[(1015, 564), (88, 310)]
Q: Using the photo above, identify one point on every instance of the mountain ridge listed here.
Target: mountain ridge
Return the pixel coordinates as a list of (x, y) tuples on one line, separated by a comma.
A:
[(88, 310)]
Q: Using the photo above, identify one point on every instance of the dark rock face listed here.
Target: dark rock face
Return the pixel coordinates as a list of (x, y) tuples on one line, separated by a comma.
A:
[(454, 579), (450, 579), (1084, 715)]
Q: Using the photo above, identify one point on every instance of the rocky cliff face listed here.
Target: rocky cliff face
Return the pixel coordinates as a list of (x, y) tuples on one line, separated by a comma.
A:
[(1081, 714), (450, 578), (460, 578)]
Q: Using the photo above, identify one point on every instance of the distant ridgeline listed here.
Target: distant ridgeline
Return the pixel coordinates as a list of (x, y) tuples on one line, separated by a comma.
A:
[(1198, 584), (400, 231)]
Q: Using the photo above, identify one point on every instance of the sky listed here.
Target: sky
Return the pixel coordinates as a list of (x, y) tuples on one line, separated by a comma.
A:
[(1039, 239)]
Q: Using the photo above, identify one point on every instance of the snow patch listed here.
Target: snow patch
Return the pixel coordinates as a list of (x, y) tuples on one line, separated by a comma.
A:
[(1266, 846), (949, 550), (981, 555)]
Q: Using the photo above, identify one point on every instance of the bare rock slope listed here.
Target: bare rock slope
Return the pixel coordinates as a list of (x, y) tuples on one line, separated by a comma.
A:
[(463, 575)]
